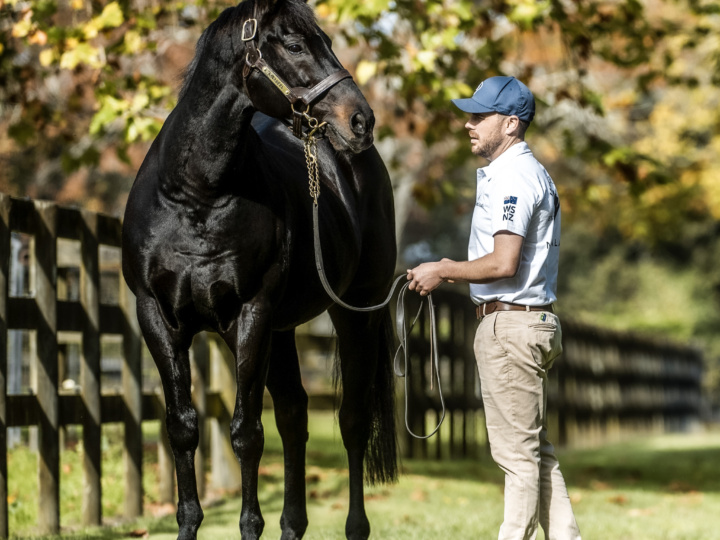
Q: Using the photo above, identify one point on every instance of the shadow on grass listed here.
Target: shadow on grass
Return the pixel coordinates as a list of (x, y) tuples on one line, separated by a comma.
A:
[(672, 463), (688, 465), (640, 465)]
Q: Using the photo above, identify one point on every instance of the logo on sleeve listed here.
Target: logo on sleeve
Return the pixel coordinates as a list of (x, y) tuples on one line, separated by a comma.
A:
[(509, 208)]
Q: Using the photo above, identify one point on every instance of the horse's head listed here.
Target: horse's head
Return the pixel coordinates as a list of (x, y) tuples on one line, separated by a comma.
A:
[(298, 54)]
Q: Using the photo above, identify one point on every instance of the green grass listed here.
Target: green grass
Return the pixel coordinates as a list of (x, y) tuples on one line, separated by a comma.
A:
[(650, 489)]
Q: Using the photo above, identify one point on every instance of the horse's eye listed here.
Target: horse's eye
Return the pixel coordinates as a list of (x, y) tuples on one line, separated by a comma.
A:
[(295, 48)]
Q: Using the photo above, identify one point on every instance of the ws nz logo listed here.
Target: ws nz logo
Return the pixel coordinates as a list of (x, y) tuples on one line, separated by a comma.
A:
[(509, 208)]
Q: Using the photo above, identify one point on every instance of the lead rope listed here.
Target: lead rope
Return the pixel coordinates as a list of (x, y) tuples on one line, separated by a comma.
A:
[(310, 147)]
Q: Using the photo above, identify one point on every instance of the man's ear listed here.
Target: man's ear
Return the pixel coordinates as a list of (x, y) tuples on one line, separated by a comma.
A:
[(512, 125)]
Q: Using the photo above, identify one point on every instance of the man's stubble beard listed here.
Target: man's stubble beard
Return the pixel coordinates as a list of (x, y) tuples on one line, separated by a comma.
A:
[(489, 146)]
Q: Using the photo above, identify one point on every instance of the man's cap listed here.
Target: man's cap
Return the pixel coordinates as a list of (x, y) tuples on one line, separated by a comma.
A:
[(504, 95)]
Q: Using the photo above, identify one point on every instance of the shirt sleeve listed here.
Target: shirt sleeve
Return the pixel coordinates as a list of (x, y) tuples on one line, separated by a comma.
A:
[(513, 202)]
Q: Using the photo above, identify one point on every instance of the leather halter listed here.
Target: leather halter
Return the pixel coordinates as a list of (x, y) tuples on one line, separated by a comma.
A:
[(254, 60)]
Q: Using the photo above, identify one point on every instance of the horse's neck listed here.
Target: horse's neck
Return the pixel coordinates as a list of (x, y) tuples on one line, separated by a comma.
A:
[(205, 140)]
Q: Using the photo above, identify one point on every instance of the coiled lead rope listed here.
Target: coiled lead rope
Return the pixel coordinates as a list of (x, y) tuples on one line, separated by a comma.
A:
[(402, 331)]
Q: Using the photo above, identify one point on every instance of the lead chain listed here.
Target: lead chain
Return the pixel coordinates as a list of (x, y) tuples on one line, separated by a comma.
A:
[(312, 165)]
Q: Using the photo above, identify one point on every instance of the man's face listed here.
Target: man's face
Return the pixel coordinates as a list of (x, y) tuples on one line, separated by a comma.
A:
[(486, 135)]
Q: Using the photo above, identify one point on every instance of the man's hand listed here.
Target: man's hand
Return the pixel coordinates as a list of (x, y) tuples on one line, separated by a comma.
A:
[(427, 277)]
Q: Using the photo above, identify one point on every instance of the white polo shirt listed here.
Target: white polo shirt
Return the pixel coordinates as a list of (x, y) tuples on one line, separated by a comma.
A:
[(515, 193)]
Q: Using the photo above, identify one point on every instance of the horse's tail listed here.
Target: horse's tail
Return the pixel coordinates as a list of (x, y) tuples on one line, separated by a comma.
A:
[(381, 451), (381, 454)]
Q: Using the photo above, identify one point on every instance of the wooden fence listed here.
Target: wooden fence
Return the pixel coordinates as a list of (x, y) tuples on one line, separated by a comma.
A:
[(605, 385), (47, 407)]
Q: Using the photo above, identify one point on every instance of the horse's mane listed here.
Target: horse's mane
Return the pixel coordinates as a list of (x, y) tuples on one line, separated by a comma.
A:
[(297, 10)]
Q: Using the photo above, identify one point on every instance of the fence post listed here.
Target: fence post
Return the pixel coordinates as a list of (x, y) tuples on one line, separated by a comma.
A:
[(132, 394), (225, 467), (200, 362), (166, 461), (47, 378), (5, 251), (90, 370)]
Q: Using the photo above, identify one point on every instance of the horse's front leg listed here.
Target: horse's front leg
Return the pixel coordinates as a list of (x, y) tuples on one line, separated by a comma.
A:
[(249, 339), (169, 349), (290, 402)]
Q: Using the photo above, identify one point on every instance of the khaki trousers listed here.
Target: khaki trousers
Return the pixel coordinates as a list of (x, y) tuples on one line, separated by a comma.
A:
[(514, 350)]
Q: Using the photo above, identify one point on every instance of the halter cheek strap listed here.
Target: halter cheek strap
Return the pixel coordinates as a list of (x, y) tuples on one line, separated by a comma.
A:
[(254, 60)]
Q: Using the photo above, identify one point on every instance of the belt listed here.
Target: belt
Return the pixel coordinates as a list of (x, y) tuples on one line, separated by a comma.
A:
[(483, 310)]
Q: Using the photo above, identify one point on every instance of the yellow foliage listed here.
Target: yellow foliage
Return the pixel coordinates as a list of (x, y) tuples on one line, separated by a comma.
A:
[(365, 71), (133, 42), (322, 11), (47, 57), (139, 102), (24, 26), (83, 53), (525, 12), (426, 60), (111, 17)]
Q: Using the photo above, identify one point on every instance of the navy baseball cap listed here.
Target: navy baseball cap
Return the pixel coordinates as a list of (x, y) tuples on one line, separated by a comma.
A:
[(504, 95)]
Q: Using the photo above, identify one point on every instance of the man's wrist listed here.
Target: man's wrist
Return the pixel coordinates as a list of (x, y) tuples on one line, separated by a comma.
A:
[(445, 272)]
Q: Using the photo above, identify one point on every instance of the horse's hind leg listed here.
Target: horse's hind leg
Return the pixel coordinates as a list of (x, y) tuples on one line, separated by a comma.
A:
[(290, 402), (367, 409), (249, 339), (170, 352)]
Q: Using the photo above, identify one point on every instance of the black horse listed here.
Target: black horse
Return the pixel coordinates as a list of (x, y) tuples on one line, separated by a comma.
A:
[(218, 235)]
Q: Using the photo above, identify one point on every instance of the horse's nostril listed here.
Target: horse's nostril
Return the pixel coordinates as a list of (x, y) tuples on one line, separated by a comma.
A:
[(359, 124)]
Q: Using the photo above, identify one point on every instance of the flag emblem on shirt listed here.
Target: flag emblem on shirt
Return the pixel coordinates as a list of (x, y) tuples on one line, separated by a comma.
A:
[(509, 207)]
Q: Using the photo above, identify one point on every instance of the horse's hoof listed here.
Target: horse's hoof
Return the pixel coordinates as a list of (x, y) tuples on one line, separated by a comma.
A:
[(293, 529), (189, 518), (357, 529), (292, 535), (251, 528)]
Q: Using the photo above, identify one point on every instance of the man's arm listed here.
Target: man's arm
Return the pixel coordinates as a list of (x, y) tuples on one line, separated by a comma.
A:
[(502, 263)]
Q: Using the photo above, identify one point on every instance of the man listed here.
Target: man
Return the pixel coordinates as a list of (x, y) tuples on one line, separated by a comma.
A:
[(512, 271)]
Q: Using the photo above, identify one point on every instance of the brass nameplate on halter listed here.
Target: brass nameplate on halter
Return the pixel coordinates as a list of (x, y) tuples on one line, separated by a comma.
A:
[(270, 74)]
